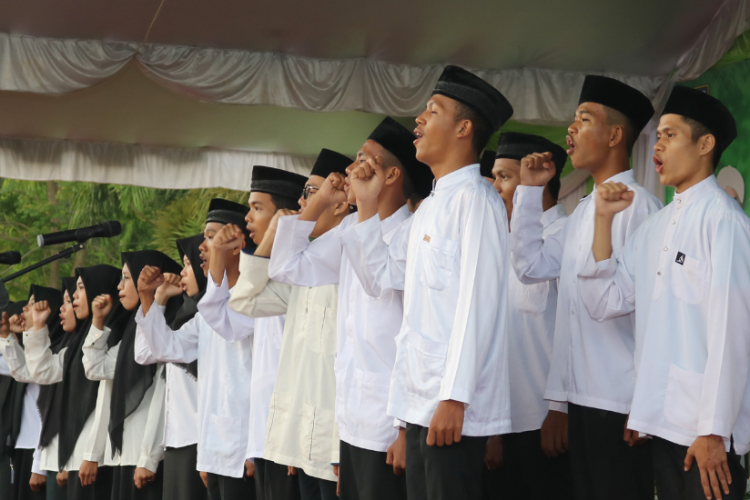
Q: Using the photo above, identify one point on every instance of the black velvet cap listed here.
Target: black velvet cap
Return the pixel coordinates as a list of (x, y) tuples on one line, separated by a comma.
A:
[(516, 146), (486, 162), (277, 182), (227, 212), (330, 161), (469, 89), (706, 110), (399, 141), (618, 96)]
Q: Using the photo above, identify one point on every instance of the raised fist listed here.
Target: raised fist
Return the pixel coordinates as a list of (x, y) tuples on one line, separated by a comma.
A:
[(16, 323), (332, 190), (101, 307), (367, 179), (150, 279), (4, 325), (537, 169), (229, 237), (170, 288), (40, 314), (282, 212), (612, 198)]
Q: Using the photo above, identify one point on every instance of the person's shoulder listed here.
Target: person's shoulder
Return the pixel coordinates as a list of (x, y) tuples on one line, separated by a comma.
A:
[(645, 199), (721, 206)]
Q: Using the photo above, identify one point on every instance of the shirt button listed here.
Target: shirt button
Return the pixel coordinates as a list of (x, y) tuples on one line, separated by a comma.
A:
[(572, 311), (588, 217), (673, 223), (665, 249), (575, 280), (659, 273), (679, 201)]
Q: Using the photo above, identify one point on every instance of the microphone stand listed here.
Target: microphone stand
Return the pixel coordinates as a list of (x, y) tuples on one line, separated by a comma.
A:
[(60, 255)]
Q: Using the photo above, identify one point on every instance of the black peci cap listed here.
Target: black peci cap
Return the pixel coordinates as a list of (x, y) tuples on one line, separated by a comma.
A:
[(330, 161), (618, 96), (486, 162)]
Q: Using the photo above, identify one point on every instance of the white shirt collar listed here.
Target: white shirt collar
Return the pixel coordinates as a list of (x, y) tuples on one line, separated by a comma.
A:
[(457, 177), (695, 192), (627, 177)]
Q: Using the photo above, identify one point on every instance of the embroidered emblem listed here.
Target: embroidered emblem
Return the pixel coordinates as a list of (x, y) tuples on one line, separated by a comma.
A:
[(680, 258), (427, 238)]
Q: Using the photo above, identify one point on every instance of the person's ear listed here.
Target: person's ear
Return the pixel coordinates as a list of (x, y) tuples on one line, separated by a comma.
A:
[(617, 136), (464, 128), (707, 144), (391, 175), (341, 208)]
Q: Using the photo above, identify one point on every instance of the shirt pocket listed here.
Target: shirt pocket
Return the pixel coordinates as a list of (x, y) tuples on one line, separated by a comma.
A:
[(425, 365), (222, 440), (278, 418), (368, 399), (683, 397), (689, 280), (316, 433), (438, 256), (531, 299)]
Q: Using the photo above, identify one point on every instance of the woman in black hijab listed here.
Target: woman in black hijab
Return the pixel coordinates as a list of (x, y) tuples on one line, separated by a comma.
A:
[(130, 423), (181, 479)]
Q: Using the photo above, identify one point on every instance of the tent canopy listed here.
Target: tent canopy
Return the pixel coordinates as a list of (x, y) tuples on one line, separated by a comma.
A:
[(84, 98)]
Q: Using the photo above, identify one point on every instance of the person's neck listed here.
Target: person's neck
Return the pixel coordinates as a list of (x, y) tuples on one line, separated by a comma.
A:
[(455, 158), (700, 175), (390, 201), (615, 164), (547, 200)]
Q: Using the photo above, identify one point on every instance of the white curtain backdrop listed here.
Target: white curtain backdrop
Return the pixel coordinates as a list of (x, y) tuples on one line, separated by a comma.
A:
[(167, 168), (52, 66)]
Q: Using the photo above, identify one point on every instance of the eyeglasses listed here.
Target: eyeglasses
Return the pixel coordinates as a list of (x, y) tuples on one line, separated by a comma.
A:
[(308, 191)]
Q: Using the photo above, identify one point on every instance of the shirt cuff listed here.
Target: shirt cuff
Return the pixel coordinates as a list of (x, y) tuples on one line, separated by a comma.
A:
[(399, 424), (93, 457), (558, 406), (148, 463), (528, 195), (97, 338)]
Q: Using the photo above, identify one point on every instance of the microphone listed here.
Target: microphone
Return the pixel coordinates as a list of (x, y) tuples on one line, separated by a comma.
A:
[(10, 258), (106, 229)]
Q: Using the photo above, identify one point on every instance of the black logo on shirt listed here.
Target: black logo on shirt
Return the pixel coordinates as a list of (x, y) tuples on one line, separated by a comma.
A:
[(680, 258)]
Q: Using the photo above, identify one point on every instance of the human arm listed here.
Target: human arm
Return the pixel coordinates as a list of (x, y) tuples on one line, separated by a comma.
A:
[(255, 294), (227, 323), (44, 366), (143, 354), (99, 359), (14, 360), (164, 344), (152, 452), (96, 441)]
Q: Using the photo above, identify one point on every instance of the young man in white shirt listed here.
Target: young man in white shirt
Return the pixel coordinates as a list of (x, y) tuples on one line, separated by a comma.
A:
[(303, 434), (224, 379), (271, 189), (367, 325), (534, 463), (687, 271), (450, 378), (592, 362)]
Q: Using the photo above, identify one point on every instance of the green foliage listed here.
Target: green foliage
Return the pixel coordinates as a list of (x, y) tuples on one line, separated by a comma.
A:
[(151, 218)]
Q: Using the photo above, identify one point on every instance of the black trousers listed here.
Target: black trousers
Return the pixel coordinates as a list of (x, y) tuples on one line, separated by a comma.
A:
[(6, 484), (22, 461), (313, 488), (181, 479), (602, 464), (123, 484), (54, 491), (527, 472), (364, 475), (673, 483), (100, 490), (273, 482), (230, 488), (443, 472)]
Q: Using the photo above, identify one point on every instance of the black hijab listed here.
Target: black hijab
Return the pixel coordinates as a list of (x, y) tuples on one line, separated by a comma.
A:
[(131, 379), (7, 395), (49, 401), (79, 393), (188, 247)]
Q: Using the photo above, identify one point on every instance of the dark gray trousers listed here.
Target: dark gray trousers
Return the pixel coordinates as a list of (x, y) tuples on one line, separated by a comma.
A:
[(364, 475)]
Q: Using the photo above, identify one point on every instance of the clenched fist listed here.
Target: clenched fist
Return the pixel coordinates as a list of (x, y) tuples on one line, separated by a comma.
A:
[(40, 314), (4, 326), (101, 306), (537, 169), (150, 279), (229, 237), (612, 198), (367, 180), (170, 288)]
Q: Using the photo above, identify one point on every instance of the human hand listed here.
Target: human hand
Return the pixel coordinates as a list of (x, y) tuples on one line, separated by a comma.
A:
[(249, 468), (102, 306), (396, 454), (143, 477), (150, 279), (555, 433), (537, 169), (87, 473), (612, 198), (446, 424), (62, 479), (37, 482), (711, 456), (170, 288)]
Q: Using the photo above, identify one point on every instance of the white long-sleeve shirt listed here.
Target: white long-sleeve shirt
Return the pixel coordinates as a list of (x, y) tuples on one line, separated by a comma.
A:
[(223, 381), (592, 361), (531, 329), (686, 272), (142, 431), (267, 336), (451, 260), (303, 432), (180, 398), (367, 325)]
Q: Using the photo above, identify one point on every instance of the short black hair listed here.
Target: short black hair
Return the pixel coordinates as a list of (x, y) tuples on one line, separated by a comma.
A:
[(698, 130), (615, 117), (482, 126), (390, 160), (284, 202)]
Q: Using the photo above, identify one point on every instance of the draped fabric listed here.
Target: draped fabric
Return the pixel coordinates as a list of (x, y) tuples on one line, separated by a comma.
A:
[(53, 66)]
